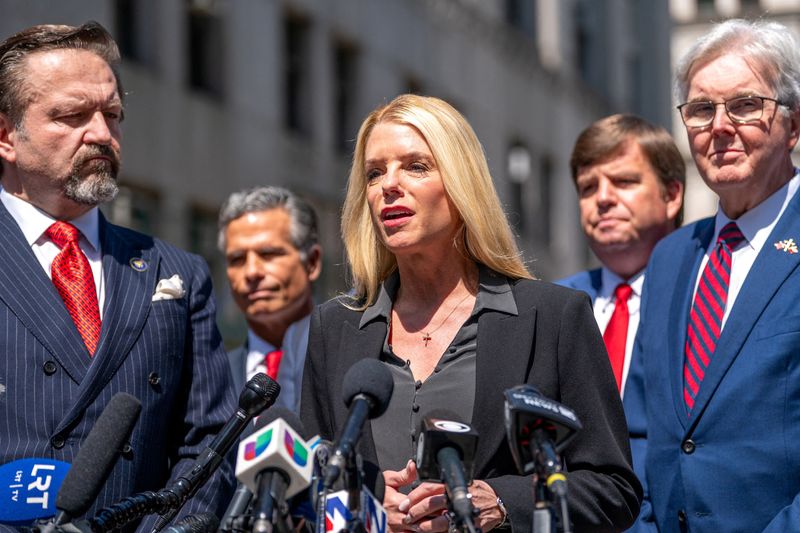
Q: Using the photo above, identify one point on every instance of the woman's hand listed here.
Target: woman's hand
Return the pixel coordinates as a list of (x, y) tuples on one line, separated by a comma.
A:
[(424, 510), (393, 498)]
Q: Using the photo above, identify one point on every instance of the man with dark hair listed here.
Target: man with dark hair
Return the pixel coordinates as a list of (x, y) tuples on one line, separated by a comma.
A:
[(630, 177), (89, 309), (270, 240), (720, 330)]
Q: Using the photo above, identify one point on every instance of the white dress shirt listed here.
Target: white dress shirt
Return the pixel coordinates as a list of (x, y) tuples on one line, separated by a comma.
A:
[(290, 371), (756, 225), (33, 222), (605, 302)]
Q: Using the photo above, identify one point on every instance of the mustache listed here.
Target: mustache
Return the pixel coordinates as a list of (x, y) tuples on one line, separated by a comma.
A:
[(99, 150)]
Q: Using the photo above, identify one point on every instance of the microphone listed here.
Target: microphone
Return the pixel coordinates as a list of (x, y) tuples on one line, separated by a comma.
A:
[(28, 489), (199, 523), (259, 393), (97, 455), (446, 453), (538, 429), (366, 390), (275, 463)]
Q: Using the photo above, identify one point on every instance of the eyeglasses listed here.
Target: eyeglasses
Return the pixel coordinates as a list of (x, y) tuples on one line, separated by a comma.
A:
[(742, 110)]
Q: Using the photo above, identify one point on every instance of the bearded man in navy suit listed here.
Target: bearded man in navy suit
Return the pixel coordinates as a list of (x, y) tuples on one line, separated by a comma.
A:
[(720, 329), (629, 176), (89, 309)]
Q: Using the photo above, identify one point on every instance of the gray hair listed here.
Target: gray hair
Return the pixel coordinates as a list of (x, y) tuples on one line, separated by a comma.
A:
[(771, 46), (304, 233)]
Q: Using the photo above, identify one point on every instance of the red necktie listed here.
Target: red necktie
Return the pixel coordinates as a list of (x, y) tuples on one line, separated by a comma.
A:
[(72, 277), (705, 318), (273, 361), (616, 333)]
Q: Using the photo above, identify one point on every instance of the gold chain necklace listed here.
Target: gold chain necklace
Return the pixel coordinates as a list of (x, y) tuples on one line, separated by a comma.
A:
[(426, 335)]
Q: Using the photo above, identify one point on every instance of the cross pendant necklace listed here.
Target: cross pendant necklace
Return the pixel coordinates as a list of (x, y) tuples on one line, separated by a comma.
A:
[(426, 335)]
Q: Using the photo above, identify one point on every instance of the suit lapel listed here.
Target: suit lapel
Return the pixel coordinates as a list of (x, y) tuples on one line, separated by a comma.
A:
[(680, 307), (768, 273), (30, 295), (356, 344), (503, 359), (127, 304)]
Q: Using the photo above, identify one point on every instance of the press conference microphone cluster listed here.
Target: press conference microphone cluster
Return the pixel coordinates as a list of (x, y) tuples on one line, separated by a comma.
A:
[(90, 469), (538, 429), (445, 454), (273, 464), (259, 393)]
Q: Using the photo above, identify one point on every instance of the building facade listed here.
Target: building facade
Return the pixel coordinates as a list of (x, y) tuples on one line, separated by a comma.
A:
[(228, 94)]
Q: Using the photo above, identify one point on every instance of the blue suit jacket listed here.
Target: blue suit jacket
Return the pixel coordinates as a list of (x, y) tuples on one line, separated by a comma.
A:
[(734, 465), (166, 353), (591, 282)]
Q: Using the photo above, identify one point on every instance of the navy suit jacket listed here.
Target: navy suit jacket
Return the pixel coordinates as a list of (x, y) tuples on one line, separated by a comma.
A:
[(553, 344), (591, 282), (734, 465), (168, 354)]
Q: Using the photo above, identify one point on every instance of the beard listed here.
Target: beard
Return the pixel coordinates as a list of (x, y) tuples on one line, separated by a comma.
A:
[(93, 181)]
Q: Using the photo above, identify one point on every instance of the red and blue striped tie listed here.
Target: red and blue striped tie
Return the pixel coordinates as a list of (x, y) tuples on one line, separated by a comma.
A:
[(705, 319)]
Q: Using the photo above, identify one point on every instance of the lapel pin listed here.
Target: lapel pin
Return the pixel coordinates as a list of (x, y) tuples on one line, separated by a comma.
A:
[(140, 265), (787, 245)]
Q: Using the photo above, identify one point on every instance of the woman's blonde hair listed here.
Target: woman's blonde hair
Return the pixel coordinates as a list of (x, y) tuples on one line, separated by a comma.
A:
[(484, 237)]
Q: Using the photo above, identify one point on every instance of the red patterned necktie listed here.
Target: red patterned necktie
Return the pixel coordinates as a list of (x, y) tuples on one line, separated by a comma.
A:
[(273, 361), (705, 319), (74, 281), (616, 333)]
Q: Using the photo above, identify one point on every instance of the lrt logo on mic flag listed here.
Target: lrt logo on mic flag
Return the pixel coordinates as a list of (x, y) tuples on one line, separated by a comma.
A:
[(337, 513), (28, 489)]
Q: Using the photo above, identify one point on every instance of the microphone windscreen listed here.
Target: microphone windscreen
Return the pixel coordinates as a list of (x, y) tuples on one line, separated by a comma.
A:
[(291, 419), (98, 454), (259, 393), (371, 378)]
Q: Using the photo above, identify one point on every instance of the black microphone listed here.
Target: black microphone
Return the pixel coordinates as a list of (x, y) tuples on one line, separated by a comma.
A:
[(366, 390), (198, 523), (97, 455), (538, 429), (446, 453), (270, 505), (259, 393)]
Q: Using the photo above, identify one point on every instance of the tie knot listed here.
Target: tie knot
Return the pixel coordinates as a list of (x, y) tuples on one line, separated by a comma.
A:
[(623, 292), (62, 233), (730, 235)]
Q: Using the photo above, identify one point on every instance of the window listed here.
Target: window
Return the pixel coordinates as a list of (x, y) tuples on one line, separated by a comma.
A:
[(345, 96), (136, 208), (126, 22), (521, 14), (297, 65), (519, 174), (205, 47)]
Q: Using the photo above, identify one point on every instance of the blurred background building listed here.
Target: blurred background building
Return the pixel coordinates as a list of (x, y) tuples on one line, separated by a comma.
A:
[(228, 94)]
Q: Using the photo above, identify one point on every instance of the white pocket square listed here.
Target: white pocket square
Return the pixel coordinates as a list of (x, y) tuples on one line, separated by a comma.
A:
[(169, 289)]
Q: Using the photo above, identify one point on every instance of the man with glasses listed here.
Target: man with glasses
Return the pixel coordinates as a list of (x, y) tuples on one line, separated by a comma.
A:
[(719, 335)]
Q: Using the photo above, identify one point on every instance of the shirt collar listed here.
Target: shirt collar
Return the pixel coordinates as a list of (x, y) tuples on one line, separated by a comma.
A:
[(257, 344), (34, 222), (610, 281), (494, 294), (757, 223)]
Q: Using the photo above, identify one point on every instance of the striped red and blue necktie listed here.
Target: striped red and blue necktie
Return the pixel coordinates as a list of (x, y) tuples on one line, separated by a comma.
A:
[(705, 319)]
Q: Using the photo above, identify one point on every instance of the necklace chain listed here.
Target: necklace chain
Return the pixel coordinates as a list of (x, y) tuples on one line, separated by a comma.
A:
[(426, 335)]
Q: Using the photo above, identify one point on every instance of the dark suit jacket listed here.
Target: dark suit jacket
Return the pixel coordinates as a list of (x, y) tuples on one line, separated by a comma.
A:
[(591, 282), (166, 353), (552, 344), (734, 465)]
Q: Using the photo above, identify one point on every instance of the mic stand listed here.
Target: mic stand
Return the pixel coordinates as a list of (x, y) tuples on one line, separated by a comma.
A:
[(353, 485), (542, 511)]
